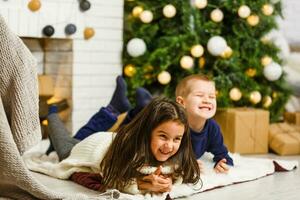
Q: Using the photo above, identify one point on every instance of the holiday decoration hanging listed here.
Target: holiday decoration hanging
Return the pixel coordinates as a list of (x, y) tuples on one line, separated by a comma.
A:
[(227, 53), (84, 5), (70, 29), (34, 5), (169, 11), (88, 33), (216, 45), (129, 70), (197, 50), (187, 62), (200, 4), (137, 10), (267, 101), (273, 71), (216, 15), (255, 97), (251, 72), (164, 77), (266, 60), (136, 47), (235, 94), (48, 30), (253, 20), (146, 16), (201, 62), (267, 9), (244, 11)]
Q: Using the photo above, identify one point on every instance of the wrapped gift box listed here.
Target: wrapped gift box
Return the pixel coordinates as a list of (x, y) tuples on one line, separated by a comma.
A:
[(284, 138), (245, 130)]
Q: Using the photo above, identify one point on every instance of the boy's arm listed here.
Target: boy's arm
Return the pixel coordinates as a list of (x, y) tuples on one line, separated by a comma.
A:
[(217, 147)]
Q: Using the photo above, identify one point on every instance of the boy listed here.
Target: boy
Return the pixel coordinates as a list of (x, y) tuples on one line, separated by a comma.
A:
[(197, 94)]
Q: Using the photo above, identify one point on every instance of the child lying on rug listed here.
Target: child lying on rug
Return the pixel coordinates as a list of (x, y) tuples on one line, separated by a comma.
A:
[(155, 147), (196, 93)]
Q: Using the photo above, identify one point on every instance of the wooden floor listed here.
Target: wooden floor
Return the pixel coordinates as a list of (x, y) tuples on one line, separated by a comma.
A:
[(278, 186)]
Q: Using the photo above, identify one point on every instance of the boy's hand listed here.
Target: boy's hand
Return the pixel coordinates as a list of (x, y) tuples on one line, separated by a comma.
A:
[(201, 166), (156, 182), (221, 166)]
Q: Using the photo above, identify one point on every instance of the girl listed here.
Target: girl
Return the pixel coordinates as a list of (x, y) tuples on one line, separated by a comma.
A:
[(154, 146)]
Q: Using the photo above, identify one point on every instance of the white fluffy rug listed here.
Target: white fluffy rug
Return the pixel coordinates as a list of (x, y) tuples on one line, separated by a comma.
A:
[(245, 169)]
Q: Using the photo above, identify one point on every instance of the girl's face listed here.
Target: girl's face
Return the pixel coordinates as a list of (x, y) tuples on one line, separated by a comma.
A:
[(166, 140)]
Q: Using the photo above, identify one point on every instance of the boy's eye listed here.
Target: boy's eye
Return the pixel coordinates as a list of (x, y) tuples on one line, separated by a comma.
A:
[(212, 96)]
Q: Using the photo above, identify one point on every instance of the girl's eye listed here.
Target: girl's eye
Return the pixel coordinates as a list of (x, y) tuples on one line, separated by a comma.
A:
[(163, 137), (177, 139)]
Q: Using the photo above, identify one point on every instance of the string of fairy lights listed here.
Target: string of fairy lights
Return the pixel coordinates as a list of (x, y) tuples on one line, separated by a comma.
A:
[(70, 28)]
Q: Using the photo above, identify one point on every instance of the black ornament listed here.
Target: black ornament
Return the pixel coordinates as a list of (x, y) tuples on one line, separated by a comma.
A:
[(70, 29), (48, 30), (84, 5)]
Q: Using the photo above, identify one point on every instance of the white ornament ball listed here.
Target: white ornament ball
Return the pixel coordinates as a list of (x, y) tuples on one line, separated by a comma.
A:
[(146, 16), (267, 9), (200, 4), (255, 97), (197, 50), (164, 77), (136, 47), (216, 45), (216, 15), (274, 1), (169, 11), (244, 11), (187, 62), (273, 71), (235, 94)]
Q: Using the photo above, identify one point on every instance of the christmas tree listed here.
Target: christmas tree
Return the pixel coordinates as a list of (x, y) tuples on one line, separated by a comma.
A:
[(166, 40)]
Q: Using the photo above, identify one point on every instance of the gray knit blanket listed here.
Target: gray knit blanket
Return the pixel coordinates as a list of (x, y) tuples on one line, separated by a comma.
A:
[(19, 121)]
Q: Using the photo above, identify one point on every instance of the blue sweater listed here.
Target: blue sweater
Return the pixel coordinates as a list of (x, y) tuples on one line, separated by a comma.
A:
[(210, 139)]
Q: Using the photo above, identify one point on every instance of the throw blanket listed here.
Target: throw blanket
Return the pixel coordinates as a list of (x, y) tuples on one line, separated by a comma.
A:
[(19, 120), (245, 169)]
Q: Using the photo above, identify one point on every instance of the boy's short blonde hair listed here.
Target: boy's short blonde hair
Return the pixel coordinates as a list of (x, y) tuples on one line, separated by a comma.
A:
[(183, 87)]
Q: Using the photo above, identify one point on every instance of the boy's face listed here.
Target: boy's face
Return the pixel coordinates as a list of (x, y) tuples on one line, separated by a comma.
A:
[(200, 102)]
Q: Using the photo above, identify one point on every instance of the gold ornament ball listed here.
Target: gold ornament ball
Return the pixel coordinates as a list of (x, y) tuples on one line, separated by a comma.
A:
[(266, 60), (255, 97), (34, 5), (129, 70), (169, 11), (186, 62), (253, 20), (148, 76), (146, 16), (200, 4), (148, 68), (88, 33), (267, 101), (227, 53), (201, 62), (216, 15), (197, 50), (244, 11), (235, 94), (164, 77), (251, 72), (274, 95), (137, 10), (267, 9)]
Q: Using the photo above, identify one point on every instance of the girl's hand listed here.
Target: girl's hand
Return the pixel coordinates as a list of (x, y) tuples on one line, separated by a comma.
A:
[(221, 166), (201, 166), (156, 182)]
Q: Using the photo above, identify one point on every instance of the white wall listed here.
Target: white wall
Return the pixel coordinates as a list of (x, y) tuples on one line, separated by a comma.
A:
[(290, 25), (96, 62)]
